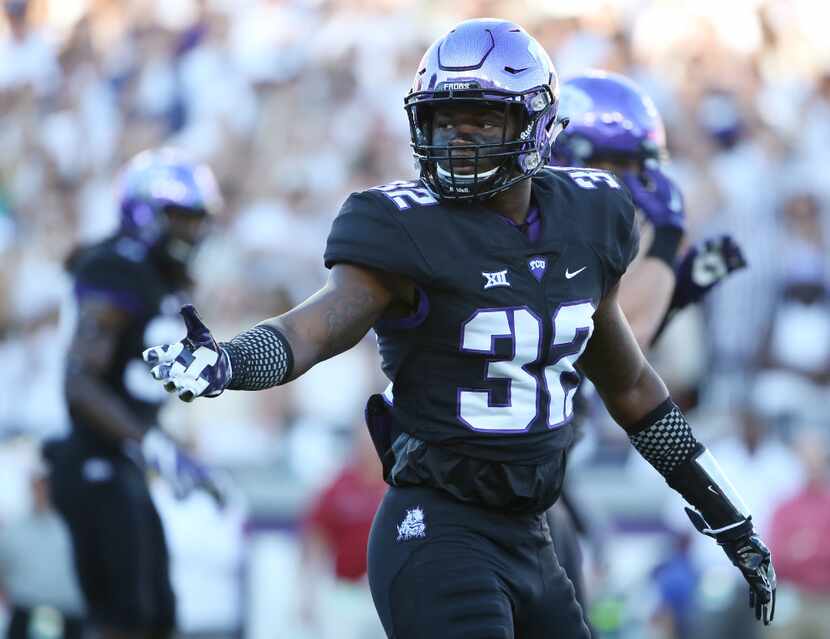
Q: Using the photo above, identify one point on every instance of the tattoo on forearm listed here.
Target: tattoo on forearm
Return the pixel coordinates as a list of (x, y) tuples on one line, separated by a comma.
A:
[(334, 319), (347, 320)]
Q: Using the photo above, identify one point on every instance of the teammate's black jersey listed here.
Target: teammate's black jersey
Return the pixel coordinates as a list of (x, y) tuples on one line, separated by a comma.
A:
[(121, 272), (485, 368)]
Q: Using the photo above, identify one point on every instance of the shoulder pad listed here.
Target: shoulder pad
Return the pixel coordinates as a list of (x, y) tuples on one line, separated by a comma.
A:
[(368, 231), (115, 270)]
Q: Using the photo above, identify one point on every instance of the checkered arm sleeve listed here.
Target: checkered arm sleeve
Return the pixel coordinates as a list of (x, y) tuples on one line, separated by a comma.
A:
[(260, 358), (664, 438)]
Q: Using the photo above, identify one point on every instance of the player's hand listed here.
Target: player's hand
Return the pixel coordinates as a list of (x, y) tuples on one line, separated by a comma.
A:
[(183, 473), (751, 556), (657, 196), (704, 266), (193, 367)]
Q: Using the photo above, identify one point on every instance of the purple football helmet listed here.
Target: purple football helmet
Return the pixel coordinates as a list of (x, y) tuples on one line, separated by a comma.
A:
[(166, 200), (610, 118), (484, 64)]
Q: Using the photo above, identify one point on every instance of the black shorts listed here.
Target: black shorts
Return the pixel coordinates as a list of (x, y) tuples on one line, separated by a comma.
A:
[(117, 538), (442, 568)]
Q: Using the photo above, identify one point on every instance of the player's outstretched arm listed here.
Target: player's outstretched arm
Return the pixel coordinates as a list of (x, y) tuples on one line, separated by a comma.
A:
[(279, 349), (638, 400)]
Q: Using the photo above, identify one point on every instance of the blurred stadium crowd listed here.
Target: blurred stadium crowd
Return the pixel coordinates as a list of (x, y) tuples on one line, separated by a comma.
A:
[(296, 103)]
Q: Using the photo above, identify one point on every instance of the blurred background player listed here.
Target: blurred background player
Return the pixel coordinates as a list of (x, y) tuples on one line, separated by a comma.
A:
[(127, 289), (614, 126)]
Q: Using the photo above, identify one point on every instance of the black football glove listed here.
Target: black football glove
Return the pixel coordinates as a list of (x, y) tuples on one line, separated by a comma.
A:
[(751, 556), (704, 266)]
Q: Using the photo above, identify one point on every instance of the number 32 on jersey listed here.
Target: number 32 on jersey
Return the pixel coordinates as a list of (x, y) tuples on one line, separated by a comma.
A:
[(528, 389)]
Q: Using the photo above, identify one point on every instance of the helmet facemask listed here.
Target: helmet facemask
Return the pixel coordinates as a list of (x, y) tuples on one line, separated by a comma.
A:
[(184, 230), (480, 166)]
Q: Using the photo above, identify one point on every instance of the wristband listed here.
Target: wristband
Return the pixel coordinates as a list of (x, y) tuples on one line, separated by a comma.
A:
[(665, 244)]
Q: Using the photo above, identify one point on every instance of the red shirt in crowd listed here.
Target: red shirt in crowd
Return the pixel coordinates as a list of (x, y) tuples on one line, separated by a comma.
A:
[(343, 514), (800, 530)]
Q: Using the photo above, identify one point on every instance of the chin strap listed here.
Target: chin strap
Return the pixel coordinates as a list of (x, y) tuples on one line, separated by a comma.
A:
[(447, 175)]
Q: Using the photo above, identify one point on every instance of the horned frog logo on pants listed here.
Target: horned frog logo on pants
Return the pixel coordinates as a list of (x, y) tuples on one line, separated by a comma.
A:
[(413, 525)]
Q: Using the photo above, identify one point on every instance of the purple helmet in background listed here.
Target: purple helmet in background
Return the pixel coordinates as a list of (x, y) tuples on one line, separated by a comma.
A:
[(166, 200), (491, 63), (610, 118)]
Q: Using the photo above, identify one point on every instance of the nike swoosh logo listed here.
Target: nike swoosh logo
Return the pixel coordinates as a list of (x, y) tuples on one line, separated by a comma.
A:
[(569, 275), (713, 490)]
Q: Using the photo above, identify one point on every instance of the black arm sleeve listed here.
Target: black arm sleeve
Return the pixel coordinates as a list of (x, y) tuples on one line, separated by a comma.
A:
[(665, 440), (368, 232)]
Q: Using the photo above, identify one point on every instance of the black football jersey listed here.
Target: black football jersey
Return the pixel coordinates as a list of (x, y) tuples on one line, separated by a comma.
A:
[(484, 368), (120, 271)]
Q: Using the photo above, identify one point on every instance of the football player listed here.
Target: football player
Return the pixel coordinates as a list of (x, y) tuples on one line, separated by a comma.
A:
[(613, 125), (128, 290), (489, 283)]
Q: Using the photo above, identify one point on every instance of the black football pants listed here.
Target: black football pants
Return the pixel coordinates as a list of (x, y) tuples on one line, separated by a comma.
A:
[(439, 568), (117, 538)]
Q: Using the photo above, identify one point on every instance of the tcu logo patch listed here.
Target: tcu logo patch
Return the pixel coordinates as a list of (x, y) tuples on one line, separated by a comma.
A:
[(537, 266), (497, 278), (412, 526)]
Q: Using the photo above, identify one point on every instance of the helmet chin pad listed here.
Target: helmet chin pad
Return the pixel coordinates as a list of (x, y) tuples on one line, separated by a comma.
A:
[(449, 176)]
